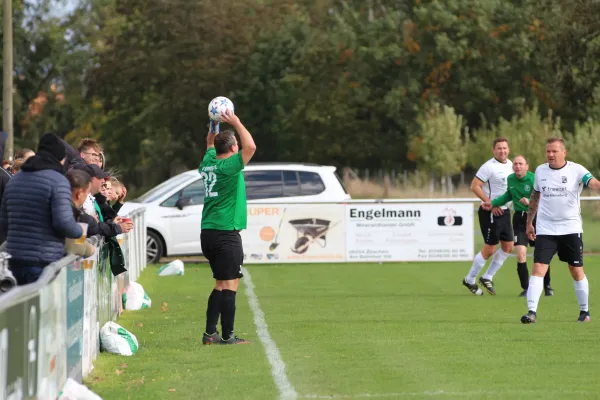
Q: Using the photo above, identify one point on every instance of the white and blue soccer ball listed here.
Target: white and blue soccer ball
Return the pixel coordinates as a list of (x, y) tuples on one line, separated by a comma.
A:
[(218, 106)]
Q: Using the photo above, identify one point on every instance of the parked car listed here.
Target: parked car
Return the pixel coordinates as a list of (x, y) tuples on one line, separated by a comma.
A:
[(174, 208)]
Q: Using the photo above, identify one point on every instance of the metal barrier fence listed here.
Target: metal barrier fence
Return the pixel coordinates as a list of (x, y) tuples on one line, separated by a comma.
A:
[(50, 330)]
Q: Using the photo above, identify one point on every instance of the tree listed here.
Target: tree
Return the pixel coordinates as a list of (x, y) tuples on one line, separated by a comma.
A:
[(47, 69), (583, 146), (439, 145), (526, 134)]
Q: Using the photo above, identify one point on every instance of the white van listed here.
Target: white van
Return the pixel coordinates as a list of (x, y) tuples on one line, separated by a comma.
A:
[(174, 208)]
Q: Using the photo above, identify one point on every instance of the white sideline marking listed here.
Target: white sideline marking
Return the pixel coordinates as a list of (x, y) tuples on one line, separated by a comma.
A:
[(286, 390), (438, 393)]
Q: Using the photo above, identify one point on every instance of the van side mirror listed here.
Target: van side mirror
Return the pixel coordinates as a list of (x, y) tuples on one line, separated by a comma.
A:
[(183, 202)]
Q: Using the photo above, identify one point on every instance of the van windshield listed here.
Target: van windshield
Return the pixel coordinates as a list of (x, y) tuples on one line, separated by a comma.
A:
[(162, 189)]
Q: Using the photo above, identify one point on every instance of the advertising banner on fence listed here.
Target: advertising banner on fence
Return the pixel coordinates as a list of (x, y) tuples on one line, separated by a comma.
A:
[(409, 232), (294, 233), (19, 326), (52, 361), (75, 302)]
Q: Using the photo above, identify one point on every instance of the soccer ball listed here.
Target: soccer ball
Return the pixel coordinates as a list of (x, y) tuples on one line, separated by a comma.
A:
[(217, 108)]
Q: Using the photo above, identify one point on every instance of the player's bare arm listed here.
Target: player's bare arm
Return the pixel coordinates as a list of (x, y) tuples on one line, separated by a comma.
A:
[(531, 212), (213, 128), (534, 201), (476, 187), (248, 145), (210, 140), (594, 184)]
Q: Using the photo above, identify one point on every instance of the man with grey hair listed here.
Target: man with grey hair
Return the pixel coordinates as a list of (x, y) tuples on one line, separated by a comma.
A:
[(223, 217)]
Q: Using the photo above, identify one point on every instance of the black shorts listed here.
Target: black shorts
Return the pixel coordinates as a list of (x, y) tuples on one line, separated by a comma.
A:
[(224, 252), (519, 223), (568, 247), (496, 229)]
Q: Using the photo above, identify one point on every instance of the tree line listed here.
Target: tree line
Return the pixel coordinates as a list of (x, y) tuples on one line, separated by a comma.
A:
[(367, 84)]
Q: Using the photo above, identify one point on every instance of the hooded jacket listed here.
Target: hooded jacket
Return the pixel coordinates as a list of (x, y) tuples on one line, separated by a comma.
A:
[(35, 213)]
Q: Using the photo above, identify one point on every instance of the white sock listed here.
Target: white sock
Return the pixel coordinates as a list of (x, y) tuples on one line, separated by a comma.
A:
[(478, 264), (497, 260), (536, 286), (582, 290)]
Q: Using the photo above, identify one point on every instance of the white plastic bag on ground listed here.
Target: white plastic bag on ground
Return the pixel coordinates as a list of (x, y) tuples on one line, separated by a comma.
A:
[(135, 298), (76, 391), (173, 268), (118, 340)]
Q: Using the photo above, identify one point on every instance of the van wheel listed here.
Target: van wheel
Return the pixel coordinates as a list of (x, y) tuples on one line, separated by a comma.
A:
[(154, 247)]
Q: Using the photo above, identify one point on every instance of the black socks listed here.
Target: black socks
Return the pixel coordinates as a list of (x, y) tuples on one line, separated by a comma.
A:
[(213, 310), (227, 313), (547, 278), (523, 275)]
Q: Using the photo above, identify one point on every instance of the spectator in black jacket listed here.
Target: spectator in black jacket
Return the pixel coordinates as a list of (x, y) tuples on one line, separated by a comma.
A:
[(36, 213)]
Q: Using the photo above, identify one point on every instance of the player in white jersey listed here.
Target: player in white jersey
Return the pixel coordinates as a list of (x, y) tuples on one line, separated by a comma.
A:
[(488, 184), (555, 199)]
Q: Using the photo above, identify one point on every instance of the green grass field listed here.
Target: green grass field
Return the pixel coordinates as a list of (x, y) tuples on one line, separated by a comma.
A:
[(352, 331)]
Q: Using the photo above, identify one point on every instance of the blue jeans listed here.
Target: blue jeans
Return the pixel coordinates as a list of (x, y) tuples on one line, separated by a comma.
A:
[(25, 275)]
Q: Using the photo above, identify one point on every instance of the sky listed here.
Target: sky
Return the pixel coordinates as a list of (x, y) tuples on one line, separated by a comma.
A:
[(64, 6)]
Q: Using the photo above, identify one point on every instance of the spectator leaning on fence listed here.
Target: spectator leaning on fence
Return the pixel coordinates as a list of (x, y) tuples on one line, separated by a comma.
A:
[(119, 192), (80, 188), (36, 212), (103, 200), (107, 227)]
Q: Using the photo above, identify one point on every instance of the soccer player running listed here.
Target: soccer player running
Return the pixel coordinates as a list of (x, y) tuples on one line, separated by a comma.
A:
[(555, 199), (488, 184), (520, 185), (223, 217)]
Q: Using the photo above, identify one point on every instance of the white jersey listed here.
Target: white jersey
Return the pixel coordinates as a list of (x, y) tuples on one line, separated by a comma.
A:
[(88, 206), (559, 210), (494, 173)]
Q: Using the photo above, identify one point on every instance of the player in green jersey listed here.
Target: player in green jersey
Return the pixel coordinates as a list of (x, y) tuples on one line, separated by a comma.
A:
[(223, 217), (519, 188)]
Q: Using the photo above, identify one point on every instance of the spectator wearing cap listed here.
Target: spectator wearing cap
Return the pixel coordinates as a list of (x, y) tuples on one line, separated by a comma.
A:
[(35, 213), (90, 206)]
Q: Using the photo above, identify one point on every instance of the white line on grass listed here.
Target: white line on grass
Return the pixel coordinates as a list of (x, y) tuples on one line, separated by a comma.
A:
[(440, 393), (286, 390)]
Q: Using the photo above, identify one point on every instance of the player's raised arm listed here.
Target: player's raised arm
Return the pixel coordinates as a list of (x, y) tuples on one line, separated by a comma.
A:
[(213, 129), (248, 145)]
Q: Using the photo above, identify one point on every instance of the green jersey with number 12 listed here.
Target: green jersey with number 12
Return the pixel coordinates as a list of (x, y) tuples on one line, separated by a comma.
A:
[(225, 192)]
